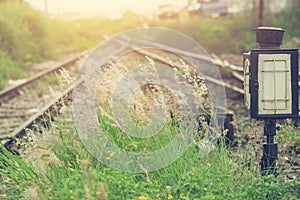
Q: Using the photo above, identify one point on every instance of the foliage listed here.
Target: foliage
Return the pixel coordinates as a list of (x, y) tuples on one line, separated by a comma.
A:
[(235, 34), (289, 20), (28, 36), (222, 35), (8, 68), (23, 33)]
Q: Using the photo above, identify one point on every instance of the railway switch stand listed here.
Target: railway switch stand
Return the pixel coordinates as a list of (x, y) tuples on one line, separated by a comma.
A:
[(271, 87)]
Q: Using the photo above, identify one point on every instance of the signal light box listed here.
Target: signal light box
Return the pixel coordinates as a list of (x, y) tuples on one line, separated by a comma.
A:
[(271, 77), (274, 83)]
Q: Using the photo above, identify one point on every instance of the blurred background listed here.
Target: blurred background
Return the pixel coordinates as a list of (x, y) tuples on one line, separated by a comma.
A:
[(34, 31)]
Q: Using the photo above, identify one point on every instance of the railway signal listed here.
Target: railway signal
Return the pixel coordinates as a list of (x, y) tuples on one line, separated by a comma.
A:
[(271, 86)]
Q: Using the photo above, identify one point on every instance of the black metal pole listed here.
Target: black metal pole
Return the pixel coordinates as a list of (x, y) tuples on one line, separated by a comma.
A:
[(261, 13), (270, 153)]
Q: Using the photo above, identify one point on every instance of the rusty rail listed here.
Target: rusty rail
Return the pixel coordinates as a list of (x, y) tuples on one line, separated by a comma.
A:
[(56, 67)]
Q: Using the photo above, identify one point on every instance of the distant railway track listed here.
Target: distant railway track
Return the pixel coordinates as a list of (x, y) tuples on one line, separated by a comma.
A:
[(236, 71), (26, 104)]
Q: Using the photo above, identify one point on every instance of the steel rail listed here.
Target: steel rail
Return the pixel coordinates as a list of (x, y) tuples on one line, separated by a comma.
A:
[(36, 118), (214, 59), (164, 60), (13, 89)]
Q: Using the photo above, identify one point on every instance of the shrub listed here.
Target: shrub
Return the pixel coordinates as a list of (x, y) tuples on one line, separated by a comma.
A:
[(8, 69)]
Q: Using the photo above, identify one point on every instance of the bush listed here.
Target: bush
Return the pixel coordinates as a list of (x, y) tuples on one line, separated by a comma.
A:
[(221, 35), (8, 69), (28, 36), (23, 33)]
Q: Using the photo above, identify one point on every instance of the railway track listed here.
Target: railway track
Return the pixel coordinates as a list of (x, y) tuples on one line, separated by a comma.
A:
[(27, 104), (36, 101), (21, 109)]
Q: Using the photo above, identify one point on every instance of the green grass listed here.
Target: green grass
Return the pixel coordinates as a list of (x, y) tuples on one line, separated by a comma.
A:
[(64, 169), (289, 138), (15, 175), (221, 35), (9, 69)]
